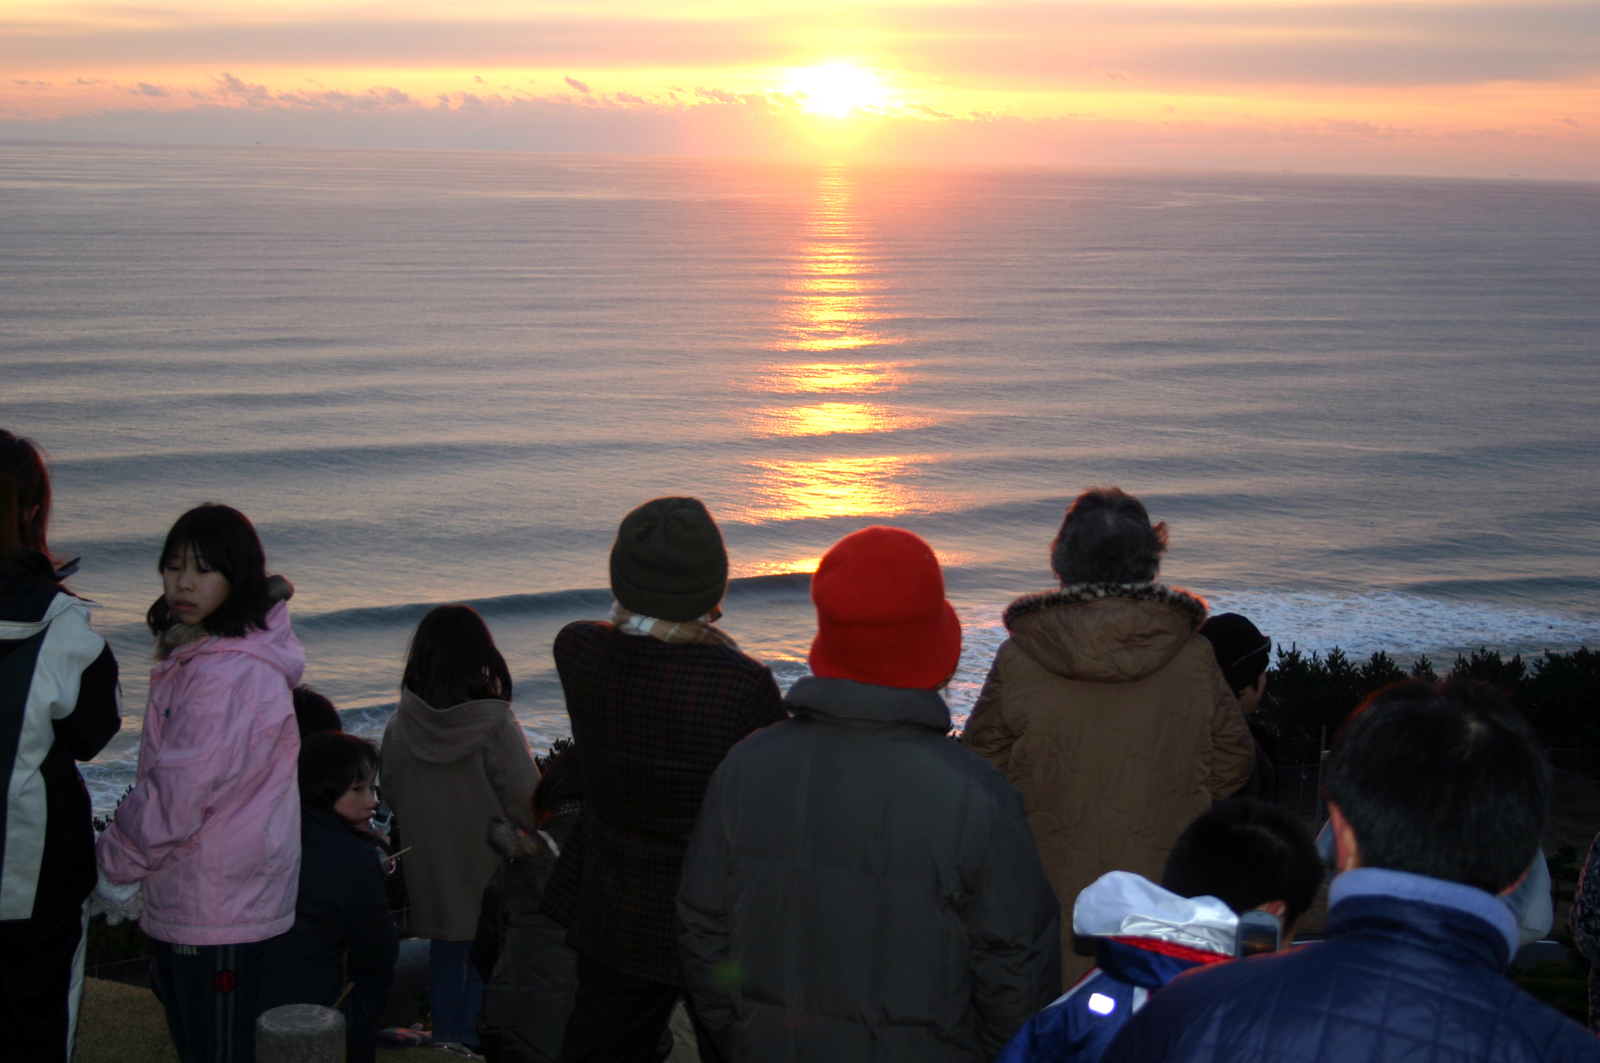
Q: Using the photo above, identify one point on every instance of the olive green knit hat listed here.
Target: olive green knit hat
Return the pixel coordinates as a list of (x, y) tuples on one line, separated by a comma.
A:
[(668, 561)]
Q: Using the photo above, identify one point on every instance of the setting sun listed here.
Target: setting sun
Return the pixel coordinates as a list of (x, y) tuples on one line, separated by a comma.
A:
[(837, 89)]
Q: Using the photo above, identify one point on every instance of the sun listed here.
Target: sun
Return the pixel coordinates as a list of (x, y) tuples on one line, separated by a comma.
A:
[(836, 89)]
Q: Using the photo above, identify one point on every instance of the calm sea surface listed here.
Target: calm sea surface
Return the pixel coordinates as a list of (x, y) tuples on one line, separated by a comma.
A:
[(1367, 407)]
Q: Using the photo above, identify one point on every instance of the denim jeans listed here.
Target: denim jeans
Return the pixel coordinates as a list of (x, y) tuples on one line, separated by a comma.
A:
[(455, 992)]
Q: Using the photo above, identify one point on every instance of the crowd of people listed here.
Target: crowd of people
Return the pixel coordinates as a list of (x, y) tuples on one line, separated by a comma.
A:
[(715, 870)]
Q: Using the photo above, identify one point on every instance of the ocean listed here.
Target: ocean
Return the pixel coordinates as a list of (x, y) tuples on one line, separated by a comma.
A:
[(1367, 407)]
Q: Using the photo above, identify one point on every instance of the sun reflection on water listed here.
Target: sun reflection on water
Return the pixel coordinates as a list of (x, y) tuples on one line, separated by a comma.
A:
[(862, 378), (777, 567), (830, 305), (827, 418), (785, 489)]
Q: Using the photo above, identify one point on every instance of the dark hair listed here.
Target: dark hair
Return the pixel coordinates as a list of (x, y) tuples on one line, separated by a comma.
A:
[(1107, 537), (1246, 852), (24, 483), (330, 763), (452, 658), (224, 540), (560, 782), (314, 712), (1242, 651), (1444, 780)]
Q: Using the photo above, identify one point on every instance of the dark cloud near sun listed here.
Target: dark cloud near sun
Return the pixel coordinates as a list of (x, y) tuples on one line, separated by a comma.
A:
[(575, 83)]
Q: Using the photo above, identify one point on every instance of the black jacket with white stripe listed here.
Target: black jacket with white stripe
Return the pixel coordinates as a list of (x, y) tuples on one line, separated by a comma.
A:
[(59, 702)]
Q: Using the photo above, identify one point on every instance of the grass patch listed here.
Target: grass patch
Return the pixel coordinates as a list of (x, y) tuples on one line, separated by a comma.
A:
[(126, 1024)]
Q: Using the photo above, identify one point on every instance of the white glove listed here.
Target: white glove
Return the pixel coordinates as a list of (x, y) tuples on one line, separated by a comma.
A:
[(116, 902)]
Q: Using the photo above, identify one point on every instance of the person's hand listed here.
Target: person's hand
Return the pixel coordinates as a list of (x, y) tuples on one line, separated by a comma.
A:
[(116, 902)]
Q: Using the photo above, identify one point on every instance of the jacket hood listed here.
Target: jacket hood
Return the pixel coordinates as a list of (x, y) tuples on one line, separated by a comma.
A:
[(1105, 632), (444, 736), (31, 562), (274, 644), (849, 702), (1122, 905)]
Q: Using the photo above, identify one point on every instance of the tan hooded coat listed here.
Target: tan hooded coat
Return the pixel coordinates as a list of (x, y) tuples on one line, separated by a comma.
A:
[(447, 773), (1109, 713)]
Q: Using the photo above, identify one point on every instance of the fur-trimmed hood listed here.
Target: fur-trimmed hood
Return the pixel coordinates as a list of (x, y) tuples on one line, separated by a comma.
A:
[(1105, 632), (177, 634)]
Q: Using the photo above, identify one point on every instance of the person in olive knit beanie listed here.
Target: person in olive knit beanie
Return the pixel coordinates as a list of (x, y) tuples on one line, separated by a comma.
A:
[(668, 561), (656, 697)]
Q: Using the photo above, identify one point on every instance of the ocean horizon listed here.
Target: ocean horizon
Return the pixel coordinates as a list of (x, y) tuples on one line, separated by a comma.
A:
[(1366, 407)]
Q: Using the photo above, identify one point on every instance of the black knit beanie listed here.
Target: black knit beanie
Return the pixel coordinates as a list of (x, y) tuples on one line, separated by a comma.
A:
[(1241, 649), (668, 561)]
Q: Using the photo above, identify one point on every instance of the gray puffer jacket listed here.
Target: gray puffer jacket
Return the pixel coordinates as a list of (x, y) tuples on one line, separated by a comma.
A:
[(859, 887)]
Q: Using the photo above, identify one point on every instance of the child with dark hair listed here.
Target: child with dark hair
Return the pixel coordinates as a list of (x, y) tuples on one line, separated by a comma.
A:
[(1243, 654), (313, 712), (343, 932), (1242, 855), (530, 975), (454, 758), (212, 827)]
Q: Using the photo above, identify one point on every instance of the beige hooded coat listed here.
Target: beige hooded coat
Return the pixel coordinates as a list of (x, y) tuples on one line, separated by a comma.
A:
[(447, 773), (1109, 713)]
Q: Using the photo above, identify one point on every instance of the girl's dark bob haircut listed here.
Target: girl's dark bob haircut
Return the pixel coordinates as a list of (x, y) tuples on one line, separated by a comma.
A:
[(224, 541), (330, 763), (452, 658), (24, 496)]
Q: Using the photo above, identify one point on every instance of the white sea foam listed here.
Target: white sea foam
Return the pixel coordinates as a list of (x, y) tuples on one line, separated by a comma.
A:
[(1405, 626)]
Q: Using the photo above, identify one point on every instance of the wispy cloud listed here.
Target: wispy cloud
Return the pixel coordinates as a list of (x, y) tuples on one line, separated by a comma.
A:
[(1041, 44), (1164, 82)]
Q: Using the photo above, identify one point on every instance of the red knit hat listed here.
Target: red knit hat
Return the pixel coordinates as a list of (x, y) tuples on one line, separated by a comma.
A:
[(881, 613)]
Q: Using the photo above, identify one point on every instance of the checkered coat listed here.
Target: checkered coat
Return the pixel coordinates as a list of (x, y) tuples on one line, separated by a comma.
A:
[(653, 720)]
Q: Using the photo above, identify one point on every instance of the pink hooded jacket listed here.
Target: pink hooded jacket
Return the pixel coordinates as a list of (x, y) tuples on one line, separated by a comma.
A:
[(212, 826)]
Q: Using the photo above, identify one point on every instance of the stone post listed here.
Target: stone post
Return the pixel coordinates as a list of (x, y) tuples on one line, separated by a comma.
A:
[(300, 1033)]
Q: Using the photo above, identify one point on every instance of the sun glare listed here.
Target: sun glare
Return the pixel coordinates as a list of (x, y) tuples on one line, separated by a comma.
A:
[(837, 89)]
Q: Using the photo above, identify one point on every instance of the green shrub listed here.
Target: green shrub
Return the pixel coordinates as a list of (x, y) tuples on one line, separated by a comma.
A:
[(1558, 692)]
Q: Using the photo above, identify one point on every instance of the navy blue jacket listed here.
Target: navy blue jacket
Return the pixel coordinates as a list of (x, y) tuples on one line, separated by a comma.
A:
[(1079, 1026), (1397, 979), (342, 929)]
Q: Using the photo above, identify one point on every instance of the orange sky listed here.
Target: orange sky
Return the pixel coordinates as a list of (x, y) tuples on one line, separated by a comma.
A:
[(1384, 86)]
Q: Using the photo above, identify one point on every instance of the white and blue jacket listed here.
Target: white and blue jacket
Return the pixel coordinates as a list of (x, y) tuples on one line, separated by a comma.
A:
[(1147, 936), (59, 703)]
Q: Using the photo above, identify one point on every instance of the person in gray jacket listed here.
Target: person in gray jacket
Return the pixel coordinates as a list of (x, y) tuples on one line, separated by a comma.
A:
[(859, 886), (453, 758)]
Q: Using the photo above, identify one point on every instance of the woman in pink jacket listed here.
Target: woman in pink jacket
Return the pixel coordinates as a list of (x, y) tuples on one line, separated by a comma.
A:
[(211, 830)]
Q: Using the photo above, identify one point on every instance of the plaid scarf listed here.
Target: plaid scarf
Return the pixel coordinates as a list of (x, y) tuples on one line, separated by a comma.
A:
[(673, 632)]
